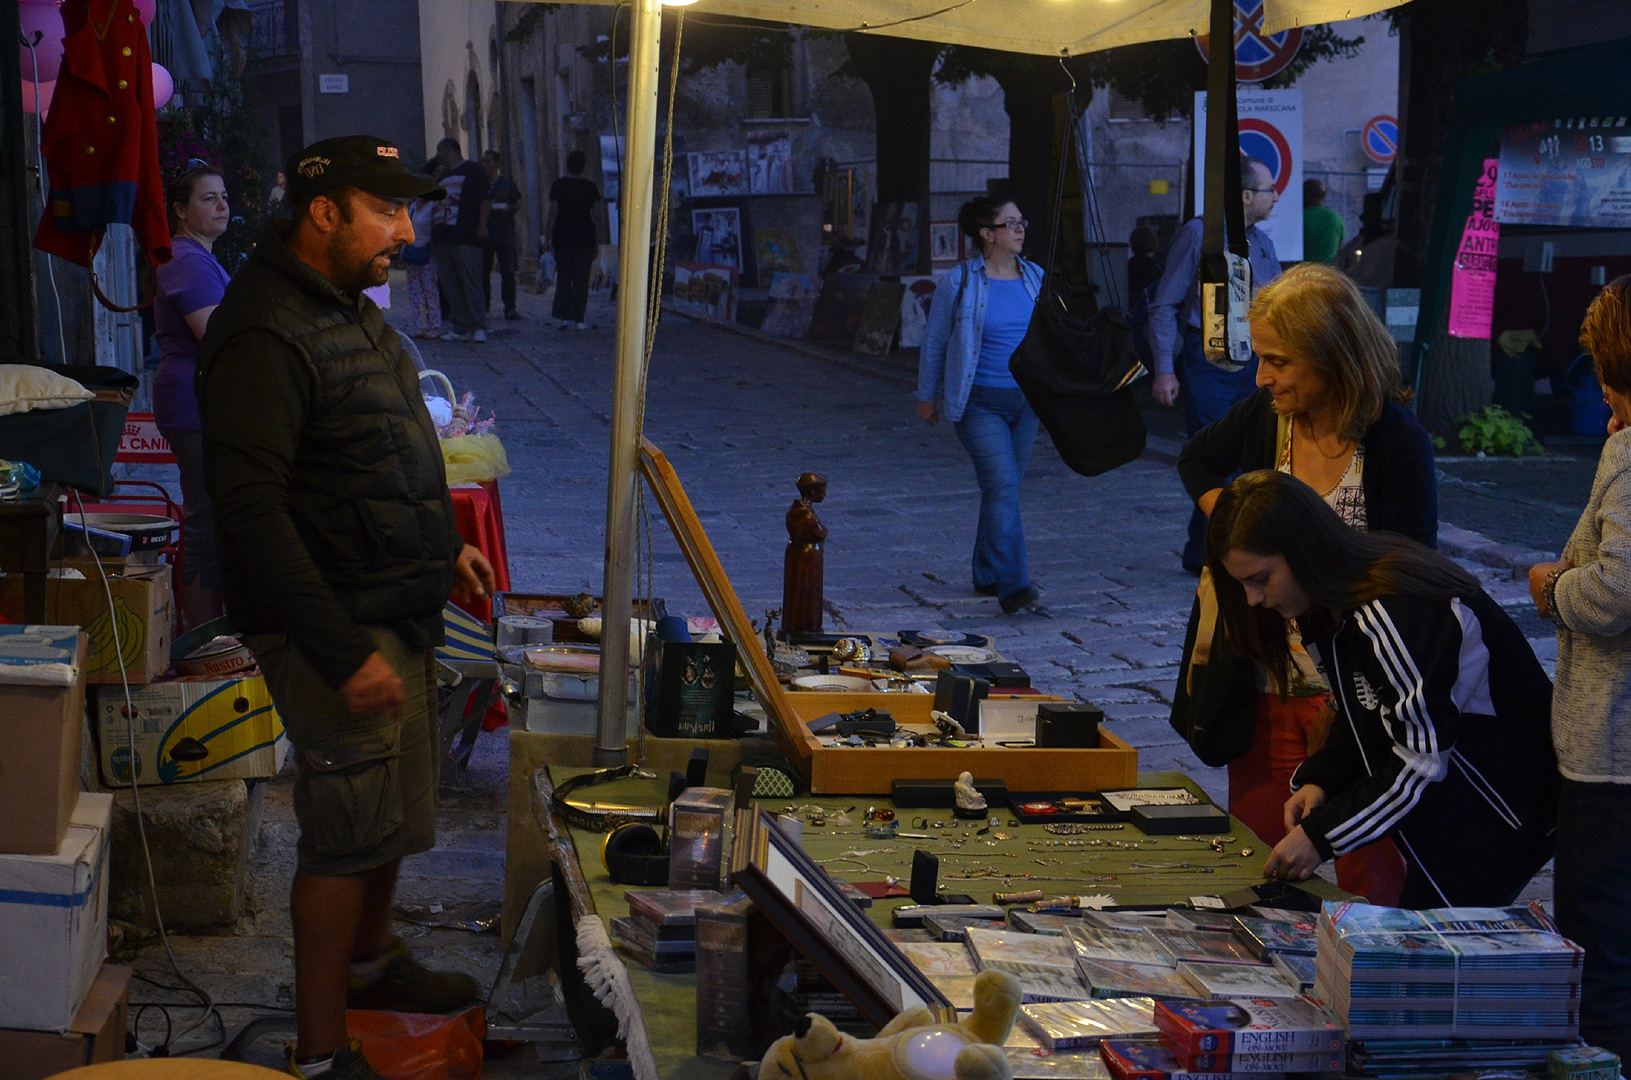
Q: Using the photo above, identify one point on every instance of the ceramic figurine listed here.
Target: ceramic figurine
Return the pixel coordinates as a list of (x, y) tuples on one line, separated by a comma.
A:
[(802, 567)]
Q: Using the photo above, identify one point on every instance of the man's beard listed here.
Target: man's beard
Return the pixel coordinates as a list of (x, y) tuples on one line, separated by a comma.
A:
[(358, 273)]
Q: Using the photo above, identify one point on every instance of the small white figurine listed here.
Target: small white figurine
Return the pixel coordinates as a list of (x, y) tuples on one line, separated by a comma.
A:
[(968, 797)]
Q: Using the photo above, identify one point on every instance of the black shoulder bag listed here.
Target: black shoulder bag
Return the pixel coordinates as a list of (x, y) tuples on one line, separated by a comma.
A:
[(1077, 374)]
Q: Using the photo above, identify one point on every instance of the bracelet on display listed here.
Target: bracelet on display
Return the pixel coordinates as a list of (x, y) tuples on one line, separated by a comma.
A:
[(1550, 590), (601, 817)]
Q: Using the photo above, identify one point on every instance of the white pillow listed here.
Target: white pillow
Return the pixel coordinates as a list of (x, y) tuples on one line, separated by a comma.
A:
[(24, 387)]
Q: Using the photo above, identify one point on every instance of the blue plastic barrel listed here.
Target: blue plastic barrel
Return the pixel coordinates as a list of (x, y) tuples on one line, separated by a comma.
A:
[(1588, 412)]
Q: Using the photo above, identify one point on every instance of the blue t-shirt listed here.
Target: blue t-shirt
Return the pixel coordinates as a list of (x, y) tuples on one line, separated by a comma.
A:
[(1007, 316)]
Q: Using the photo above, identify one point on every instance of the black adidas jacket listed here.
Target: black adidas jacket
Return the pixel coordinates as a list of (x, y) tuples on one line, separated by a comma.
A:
[(1443, 742)]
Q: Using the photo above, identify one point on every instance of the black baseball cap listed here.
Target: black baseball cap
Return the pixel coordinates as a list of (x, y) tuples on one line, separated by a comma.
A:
[(360, 161)]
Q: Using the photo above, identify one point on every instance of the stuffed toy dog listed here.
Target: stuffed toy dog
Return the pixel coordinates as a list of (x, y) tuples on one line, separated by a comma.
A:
[(910, 1047)]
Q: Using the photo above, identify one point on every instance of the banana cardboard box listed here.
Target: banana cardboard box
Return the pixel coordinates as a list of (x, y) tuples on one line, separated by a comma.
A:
[(189, 729), (142, 614)]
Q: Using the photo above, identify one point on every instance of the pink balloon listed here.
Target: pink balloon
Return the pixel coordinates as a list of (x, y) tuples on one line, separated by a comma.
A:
[(42, 17), (163, 86), (145, 10), (46, 90)]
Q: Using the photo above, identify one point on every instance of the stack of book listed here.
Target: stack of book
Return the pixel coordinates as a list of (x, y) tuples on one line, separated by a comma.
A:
[(1045, 966), (1072, 1025), (1251, 1038), (1448, 973), (660, 930)]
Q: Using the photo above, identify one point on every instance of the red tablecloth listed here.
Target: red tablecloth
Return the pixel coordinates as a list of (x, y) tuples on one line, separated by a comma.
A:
[(480, 519)]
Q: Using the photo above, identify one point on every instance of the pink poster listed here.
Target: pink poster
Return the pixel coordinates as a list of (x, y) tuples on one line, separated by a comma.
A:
[(1472, 283)]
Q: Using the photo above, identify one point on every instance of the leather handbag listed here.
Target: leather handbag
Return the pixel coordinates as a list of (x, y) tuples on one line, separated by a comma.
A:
[(1212, 707)]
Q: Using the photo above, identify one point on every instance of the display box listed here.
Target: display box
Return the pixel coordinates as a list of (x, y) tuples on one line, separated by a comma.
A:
[(871, 770), (40, 735), (189, 729), (143, 612), (691, 689), (54, 909), (552, 606), (96, 1034)]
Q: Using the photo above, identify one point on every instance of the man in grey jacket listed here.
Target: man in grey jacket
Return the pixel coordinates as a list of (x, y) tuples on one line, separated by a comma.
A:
[(1175, 326)]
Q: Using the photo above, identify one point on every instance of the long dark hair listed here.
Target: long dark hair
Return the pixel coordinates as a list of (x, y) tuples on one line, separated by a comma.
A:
[(1341, 568)]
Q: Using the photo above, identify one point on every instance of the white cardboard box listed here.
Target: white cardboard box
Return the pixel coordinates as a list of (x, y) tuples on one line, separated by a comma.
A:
[(54, 911)]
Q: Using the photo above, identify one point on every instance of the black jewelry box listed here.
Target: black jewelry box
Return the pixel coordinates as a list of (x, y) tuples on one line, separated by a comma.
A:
[(925, 794), (1196, 818)]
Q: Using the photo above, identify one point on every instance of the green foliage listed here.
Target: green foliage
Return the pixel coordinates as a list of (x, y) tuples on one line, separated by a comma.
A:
[(1496, 431), (216, 126), (1439, 444)]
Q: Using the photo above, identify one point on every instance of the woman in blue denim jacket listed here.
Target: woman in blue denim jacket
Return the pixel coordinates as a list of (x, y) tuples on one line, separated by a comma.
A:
[(978, 317)]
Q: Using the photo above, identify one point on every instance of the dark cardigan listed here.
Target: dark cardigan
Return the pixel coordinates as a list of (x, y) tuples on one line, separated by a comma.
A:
[(1401, 493)]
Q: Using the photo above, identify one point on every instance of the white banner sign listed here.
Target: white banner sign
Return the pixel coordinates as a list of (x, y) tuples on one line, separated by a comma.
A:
[(1271, 130)]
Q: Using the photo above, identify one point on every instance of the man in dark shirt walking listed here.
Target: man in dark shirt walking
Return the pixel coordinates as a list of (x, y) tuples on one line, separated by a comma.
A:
[(498, 234), (455, 243), (338, 551), (575, 236)]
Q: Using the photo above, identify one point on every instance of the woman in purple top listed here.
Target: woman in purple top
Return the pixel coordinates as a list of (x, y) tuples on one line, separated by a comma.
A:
[(190, 286)]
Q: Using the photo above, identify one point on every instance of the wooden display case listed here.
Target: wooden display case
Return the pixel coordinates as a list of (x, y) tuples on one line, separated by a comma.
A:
[(867, 770)]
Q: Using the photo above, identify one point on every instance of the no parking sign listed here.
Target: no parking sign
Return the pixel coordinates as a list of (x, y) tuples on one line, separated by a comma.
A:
[(1271, 130), (1380, 139)]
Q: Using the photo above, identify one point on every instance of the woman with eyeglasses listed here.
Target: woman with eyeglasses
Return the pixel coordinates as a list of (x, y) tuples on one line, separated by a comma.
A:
[(977, 319), (190, 286)]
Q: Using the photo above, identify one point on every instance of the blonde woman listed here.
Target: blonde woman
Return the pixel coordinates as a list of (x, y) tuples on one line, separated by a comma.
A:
[(1326, 412)]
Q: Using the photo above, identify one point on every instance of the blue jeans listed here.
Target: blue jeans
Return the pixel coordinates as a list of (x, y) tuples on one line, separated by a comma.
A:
[(998, 429), (1592, 890), (1209, 392)]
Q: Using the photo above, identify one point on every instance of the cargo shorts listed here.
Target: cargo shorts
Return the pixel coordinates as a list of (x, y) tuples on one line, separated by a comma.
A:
[(365, 786)]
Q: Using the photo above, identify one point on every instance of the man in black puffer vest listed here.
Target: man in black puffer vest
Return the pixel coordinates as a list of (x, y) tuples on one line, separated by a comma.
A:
[(338, 551)]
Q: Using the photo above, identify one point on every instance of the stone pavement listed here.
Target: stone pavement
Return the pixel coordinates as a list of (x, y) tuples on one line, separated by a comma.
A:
[(740, 418)]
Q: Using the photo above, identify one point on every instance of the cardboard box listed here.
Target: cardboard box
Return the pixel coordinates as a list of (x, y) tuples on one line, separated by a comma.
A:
[(55, 912), (143, 604), (231, 728), (96, 1035), (40, 730)]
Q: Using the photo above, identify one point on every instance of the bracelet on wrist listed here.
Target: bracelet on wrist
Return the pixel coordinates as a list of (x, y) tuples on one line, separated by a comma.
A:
[(1550, 590)]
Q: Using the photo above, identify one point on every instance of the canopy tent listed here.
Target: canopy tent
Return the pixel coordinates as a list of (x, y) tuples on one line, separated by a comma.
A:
[(1042, 27), (1583, 82)]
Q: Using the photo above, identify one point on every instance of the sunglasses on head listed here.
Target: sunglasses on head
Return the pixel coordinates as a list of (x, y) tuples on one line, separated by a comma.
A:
[(192, 166)]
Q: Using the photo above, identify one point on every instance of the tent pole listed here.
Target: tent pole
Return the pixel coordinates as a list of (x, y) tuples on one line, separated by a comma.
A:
[(633, 277)]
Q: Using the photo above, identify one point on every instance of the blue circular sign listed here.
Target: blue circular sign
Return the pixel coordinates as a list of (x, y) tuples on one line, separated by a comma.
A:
[(1380, 139)]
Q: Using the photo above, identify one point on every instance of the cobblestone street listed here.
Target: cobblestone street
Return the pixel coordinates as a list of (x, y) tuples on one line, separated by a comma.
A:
[(740, 418)]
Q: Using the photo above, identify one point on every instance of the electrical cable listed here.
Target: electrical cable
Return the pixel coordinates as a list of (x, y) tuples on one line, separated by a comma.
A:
[(206, 1002)]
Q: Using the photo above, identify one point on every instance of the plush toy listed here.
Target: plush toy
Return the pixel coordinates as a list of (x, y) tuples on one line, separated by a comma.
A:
[(910, 1047)]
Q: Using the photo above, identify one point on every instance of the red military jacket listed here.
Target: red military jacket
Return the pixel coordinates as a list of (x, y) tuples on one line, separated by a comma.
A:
[(101, 142)]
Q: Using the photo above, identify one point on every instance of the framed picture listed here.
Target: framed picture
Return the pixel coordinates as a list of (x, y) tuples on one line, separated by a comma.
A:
[(892, 240), (701, 289), (719, 236), (770, 163), (718, 172), (945, 242), (809, 910)]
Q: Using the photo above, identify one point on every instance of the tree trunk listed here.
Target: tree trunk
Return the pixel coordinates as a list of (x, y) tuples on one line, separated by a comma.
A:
[(897, 71), (1441, 42), (1457, 382), (1027, 96)]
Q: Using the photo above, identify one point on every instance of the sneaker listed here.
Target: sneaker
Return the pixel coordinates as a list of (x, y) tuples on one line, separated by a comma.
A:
[(581, 326), (985, 590), (564, 324), (513, 316), (347, 1064), (452, 335), (408, 986), (1023, 600), (478, 336)]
